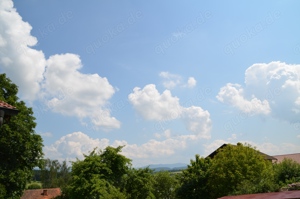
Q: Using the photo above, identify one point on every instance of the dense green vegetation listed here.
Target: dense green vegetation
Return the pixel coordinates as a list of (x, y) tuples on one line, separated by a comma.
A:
[(234, 170), (34, 185), (20, 146)]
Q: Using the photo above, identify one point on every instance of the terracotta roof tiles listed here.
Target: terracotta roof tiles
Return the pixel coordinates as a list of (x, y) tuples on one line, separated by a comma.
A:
[(272, 195), (6, 105), (50, 193)]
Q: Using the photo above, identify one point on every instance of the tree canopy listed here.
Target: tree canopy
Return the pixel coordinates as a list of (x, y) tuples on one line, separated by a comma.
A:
[(138, 183), (287, 171), (165, 185), (99, 175), (55, 174), (240, 169), (20, 146), (193, 180)]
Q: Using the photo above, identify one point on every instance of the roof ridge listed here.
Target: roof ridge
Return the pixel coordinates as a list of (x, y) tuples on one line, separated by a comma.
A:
[(287, 154), (4, 104)]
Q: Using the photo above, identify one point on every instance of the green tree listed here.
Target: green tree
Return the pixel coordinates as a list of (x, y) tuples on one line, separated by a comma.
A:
[(34, 185), (287, 171), (20, 146), (49, 173), (165, 185), (138, 183), (240, 169), (98, 175), (193, 180), (116, 164), (55, 174), (64, 175)]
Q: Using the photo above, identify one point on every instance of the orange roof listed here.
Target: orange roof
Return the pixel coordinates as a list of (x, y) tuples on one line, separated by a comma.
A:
[(41, 193), (8, 109), (272, 195), (6, 105), (295, 157)]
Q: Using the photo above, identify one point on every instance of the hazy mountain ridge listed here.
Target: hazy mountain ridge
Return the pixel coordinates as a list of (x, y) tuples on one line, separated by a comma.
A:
[(167, 167)]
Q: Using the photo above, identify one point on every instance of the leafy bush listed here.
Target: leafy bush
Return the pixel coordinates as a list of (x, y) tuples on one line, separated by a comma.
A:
[(287, 171), (34, 185)]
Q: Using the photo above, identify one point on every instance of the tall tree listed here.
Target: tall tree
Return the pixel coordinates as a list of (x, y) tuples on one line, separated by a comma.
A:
[(55, 174), (116, 164), (64, 175), (193, 180), (99, 175), (138, 183), (165, 185), (240, 169), (20, 146)]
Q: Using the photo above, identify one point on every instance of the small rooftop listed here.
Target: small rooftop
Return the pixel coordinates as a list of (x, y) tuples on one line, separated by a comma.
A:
[(294, 156), (50, 193), (8, 109), (6, 105), (272, 195)]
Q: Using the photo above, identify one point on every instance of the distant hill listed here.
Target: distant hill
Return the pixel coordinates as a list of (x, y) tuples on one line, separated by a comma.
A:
[(167, 167)]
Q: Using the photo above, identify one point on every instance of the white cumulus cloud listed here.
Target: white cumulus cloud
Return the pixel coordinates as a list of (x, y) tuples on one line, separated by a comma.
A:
[(70, 92), (233, 94), (155, 106), (57, 81), (152, 105), (197, 121), (171, 81), (74, 145), (191, 82), (270, 88), (22, 64)]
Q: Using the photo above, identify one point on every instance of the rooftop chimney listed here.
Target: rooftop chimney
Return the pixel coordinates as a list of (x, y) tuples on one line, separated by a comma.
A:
[(45, 192)]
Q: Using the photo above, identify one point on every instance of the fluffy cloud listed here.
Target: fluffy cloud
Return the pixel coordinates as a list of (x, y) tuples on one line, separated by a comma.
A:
[(65, 89), (73, 146), (72, 93), (170, 80), (47, 134), (152, 105), (76, 144), (272, 88), (154, 148), (166, 134), (233, 94), (191, 82), (155, 106), (197, 121), (23, 64)]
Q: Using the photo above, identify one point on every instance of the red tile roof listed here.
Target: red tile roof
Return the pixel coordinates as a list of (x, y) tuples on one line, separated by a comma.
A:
[(273, 195), (6, 105), (41, 193)]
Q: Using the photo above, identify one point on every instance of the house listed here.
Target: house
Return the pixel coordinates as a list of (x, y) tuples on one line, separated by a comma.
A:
[(271, 195), (267, 157), (50, 193), (294, 156)]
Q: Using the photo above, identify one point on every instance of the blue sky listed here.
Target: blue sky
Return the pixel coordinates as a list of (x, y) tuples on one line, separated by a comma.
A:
[(166, 79)]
